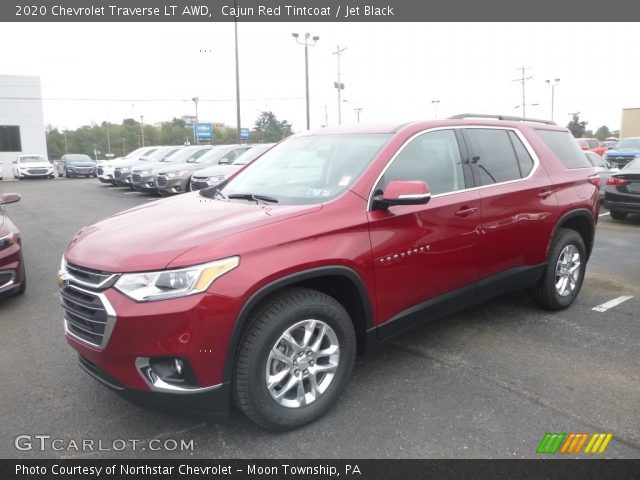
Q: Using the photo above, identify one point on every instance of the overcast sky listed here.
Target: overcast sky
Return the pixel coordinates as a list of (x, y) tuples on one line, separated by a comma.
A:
[(393, 71)]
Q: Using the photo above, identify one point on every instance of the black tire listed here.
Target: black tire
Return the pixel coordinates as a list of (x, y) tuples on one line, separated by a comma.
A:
[(545, 294), (279, 313), (617, 215)]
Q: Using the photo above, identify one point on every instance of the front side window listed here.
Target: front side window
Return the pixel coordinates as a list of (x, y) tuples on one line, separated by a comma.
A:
[(434, 158), (308, 170)]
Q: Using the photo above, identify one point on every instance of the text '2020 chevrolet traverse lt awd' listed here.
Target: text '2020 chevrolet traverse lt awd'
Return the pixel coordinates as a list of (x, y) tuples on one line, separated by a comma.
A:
[(261, 290)]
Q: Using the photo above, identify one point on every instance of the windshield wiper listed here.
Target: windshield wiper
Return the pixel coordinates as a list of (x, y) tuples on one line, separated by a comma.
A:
[(255, 197)]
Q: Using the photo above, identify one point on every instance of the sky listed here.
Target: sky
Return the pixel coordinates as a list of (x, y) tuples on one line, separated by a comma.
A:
[(94, 72)]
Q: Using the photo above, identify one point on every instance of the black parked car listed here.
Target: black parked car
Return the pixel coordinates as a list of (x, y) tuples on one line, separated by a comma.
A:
[(76, 165), (622, 191)]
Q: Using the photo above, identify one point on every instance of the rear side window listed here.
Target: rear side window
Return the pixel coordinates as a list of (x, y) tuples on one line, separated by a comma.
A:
[(565, 147), (493, 156)]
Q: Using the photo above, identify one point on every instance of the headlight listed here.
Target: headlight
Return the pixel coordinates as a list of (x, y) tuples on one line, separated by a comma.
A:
[(8, 240), (164, 284), (177, 174)]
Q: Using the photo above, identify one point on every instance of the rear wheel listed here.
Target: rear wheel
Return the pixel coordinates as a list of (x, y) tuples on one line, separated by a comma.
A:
[(294, 359), (565, 270), (617, 215)]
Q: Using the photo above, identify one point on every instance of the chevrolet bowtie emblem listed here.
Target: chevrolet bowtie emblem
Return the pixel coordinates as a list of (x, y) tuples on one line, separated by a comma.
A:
[(62, 278)]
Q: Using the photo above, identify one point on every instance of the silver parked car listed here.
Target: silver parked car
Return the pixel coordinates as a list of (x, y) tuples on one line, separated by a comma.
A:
[(604, 169), (216, 174), (177, 179), (122, 173)]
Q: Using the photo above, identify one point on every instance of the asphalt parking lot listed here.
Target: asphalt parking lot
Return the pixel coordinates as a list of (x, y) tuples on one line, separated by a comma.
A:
[(486, 383)]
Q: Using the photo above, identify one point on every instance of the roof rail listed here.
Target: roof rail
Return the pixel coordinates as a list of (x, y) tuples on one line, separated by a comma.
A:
[(501, 117)]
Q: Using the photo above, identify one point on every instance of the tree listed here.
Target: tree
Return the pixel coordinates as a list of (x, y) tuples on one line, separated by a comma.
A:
[(603, 132), (577, 127), (268, 129)]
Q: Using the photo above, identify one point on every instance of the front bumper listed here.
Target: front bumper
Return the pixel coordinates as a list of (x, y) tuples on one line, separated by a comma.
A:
[(144, 183), (11, 269), (124, 180), (195, 328), (39, 173), (624, 207), (171, 186)]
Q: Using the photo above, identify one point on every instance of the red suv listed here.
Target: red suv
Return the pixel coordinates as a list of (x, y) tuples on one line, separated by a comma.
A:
[(263, 289)]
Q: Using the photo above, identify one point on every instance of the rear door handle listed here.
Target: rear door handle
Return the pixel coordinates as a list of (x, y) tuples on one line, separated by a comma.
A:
[(466, 211), (546, 193)]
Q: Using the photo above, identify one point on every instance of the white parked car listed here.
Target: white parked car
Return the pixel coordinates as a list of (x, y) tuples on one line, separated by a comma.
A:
[(32, 166), (106, 168)]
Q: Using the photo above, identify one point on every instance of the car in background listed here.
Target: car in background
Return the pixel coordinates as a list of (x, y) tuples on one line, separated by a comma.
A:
[(76, 165), (122, 173), (32, 166), (177, 178), (143, 177), (12, 272), (216, 174), (625, 151), (622, 191), (593, 145), (604, 169), (106, 168)]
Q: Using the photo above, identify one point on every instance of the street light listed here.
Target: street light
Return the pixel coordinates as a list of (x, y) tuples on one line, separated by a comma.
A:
[(435, 107), (358, 112), (553, 87), (195, 125), (306, 64), (339, 85)]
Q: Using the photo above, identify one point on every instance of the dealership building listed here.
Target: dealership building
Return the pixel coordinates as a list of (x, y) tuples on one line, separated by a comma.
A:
[(21, 120)]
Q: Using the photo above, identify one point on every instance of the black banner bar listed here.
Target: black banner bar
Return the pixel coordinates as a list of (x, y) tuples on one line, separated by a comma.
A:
[(309, 11), (318, 469)]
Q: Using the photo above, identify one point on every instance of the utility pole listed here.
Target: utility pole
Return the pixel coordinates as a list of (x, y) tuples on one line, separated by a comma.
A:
[(339, 85), (235, 31), (195, 125), (435, 107), (142, 128), (124, 147), (522, 79), (553, 87), (108, 140)]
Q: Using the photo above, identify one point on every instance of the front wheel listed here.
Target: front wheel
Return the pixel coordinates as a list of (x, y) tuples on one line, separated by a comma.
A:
[(565, 271), (294, 359), (616, 215)]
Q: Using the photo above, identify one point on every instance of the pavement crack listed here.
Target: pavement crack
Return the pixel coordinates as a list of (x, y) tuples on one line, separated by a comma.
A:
[(625, 438)]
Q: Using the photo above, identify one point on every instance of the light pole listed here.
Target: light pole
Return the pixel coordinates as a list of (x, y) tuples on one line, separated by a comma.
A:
[(108, 141), (142, 128), (339, 85), (553, 87), (306, 65), (195, 125), (522, 80), (235, 26), (435, 107), (358, 111)]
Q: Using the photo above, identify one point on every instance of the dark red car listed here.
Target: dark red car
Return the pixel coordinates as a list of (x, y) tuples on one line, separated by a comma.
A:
[(263, 289), (12, 272)]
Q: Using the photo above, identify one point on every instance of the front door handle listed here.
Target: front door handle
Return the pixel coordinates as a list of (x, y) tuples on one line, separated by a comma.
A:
[(545, 193), (466, 211)]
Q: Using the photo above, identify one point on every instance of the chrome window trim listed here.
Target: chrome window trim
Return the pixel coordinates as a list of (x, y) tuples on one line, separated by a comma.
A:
[(527, 146), (109, 324)]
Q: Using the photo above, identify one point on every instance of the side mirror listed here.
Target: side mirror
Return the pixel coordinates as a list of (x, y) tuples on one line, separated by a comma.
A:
[(403, 192), (9, 198)]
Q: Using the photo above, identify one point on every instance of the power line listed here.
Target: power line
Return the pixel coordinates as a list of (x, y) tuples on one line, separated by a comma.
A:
[(69, 99)]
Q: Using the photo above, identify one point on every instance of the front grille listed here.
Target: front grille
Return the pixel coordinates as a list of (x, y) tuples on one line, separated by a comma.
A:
[(83, 169), (100, 171), (37, 171), (161, 180), (136, 178), (86, 315), (117, 173), (198, 185), (88, 277)]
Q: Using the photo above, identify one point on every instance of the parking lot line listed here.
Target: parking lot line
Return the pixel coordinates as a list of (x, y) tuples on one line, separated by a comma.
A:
[(603, 214), (612, 303)]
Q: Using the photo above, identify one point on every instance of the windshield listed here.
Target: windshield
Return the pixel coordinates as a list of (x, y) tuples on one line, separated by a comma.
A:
[(79, 158), (630, 143), (182, 155), (158, 155), (215, 154), (308, 170), (250, 155), (32, 159)]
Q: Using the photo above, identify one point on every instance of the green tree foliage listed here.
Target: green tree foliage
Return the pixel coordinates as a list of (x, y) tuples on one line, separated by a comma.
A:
[(602, 133), (577, 127), (268, 129)]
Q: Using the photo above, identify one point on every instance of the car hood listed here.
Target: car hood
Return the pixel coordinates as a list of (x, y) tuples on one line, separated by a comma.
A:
[(153, 236), (177, 167), (217, 170), (35, 165), (625, 152)]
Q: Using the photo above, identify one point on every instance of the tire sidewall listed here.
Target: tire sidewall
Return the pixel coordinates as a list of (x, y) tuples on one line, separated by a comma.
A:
[(283, 417), (567, 238)]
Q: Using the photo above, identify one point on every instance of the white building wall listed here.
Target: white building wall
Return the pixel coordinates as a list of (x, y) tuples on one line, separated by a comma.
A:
[(21, 105)]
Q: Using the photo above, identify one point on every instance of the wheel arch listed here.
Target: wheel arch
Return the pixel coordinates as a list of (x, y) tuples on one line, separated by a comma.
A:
[(581, 221), (340, 282)]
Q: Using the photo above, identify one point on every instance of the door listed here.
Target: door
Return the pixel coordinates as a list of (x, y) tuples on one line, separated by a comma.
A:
[(517, 203), (424, 252)]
